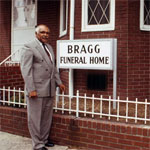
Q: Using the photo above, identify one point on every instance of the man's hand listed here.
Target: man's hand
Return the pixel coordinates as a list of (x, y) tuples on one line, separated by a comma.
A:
[(62, 87), (33, 94)]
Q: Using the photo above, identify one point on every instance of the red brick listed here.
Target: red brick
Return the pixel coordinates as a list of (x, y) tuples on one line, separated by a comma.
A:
[(95, 137), (103, 133), (87, 140), (134, 130), (61, 126), (145, 132), (62, 135), (89, 131), (99, 126), (146, 139), (125, 141), (110, 139), (115, 145), (102, 143), (140, 131), (133, 137), (94, 125), (126, 147), (113, 128), (85, 123), (142, 144)]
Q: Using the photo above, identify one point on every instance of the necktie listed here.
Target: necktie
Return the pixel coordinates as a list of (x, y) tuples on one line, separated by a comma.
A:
[(46, 50)]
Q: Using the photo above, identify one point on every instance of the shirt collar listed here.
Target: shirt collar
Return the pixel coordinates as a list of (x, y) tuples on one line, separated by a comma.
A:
[(38, 41)]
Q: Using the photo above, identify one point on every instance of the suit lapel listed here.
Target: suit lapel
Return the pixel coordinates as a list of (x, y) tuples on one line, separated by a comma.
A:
[(51, 51), (43, 53)]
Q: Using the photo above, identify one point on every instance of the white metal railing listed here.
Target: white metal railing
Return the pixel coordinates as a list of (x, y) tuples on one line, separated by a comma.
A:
[(12, 97), (8, 61), (99, 107), (84, 106)]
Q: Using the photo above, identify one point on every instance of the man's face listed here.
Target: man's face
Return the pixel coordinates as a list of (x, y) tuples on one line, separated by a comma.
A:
[(43, 34)]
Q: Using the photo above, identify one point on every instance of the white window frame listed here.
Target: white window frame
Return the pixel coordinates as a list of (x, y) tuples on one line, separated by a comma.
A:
[(142, 25), (105, 27), (61, 31)]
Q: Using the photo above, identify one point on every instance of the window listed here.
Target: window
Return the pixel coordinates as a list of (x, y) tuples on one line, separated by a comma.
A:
[(24, 18), (98, 15), (24, 13), (63, 17), (145, 15), (96, 82)]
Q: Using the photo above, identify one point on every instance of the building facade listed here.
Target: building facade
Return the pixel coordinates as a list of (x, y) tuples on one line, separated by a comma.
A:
[(125, 20)]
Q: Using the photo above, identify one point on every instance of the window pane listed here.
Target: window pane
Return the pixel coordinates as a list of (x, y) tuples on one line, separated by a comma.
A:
[(147, 12), (98, 12), (24, 13)]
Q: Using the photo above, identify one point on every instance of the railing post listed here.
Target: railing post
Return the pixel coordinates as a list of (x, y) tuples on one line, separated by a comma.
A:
[(25, 102), (4, 90), (101, 108), (77, 104), (109, 107), (14, 96), (63, 103), (57, 94), (85, 105), (127, 110), (136, 110), (9, 95), (118, 109), (70, 97), (145, 110), (19, 97), (57, 99), (92, 105)]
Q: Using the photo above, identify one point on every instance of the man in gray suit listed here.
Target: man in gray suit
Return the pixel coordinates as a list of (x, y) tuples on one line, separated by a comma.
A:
[(40, 76)]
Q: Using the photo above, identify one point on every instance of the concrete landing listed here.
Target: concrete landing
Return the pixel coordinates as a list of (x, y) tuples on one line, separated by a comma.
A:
[(15, 142)]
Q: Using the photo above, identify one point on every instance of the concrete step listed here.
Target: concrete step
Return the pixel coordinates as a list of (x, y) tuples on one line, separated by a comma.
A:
[(14, 142)]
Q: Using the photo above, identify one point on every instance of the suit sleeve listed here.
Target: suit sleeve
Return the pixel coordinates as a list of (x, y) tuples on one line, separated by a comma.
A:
[(57, 77), (26, 65)]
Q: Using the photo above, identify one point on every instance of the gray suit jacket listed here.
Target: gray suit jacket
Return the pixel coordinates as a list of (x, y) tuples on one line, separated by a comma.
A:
[(38, 72)]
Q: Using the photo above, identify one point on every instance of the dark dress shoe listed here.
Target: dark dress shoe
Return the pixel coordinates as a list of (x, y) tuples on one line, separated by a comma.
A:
[(43, 148), (49, 144)]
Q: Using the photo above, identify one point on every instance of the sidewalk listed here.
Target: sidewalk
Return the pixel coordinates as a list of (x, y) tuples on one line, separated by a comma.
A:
[(15, 142)]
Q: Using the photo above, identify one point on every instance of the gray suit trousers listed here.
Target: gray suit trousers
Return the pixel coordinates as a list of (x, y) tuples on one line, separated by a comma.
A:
[(40, 111)]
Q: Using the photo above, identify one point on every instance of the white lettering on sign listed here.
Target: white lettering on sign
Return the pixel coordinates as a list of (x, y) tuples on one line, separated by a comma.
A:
[(85, 54)]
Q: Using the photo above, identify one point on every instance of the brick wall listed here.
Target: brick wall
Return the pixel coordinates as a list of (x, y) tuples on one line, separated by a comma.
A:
[(133, 53), (14, 120), (83, 132), (133, 46), (121, 33), (138, 55), (11, 77), (5, 29)]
